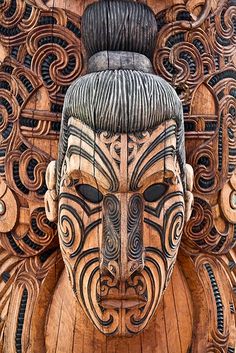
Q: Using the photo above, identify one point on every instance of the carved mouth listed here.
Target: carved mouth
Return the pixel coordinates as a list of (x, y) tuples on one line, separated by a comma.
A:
[(122, 302)]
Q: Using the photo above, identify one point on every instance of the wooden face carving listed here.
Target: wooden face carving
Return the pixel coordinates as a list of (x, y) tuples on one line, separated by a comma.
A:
[(120, 220)]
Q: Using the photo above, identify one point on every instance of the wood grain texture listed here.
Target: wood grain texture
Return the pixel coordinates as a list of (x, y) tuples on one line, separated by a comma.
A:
[(172, 323), (41, 54)]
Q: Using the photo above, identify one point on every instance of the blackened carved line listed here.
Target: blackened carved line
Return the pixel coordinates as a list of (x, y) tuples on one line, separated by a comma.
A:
[(169, 151), (142, 318), (175, 232), (65, 219), (90, 158), (85, 253), (171, 232), (13, 244), (175, 229), (220, 244), (78, 133), (220, 145), (89, 291), (156, 211), (136, 176), (26, 239), (90, 283), (221, 76), (161, 233), (111, 229), (82, 203), (135, 229), (171, 208), (218, 299), (87, 230), (150, 249), (20, 321), (232, 308)]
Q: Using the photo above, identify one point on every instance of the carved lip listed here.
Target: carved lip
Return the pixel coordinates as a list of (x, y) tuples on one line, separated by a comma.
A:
[(122, 302)]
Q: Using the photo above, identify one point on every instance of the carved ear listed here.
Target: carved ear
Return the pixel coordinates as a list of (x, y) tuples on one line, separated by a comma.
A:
[(188, 194), (189, 177), (51, 197)]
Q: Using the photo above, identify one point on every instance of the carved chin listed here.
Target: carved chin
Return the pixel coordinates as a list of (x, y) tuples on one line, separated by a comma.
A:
[(115, 308)]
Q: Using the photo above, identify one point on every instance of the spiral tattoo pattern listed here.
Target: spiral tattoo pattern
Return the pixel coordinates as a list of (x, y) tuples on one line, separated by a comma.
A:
[(135, 229), (111, 229)]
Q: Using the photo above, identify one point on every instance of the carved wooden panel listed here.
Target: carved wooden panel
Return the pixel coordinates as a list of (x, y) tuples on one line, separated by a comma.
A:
[(41, 54)]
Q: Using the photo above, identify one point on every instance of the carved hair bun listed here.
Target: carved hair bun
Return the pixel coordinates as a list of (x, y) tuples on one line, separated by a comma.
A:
[(122, 26)]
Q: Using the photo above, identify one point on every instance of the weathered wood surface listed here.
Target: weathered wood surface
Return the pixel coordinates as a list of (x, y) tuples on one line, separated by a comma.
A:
[(172, 324), (41, 55)]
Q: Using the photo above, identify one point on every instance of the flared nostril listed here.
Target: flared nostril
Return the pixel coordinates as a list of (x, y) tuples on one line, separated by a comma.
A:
[(110, 268), (135, 267)]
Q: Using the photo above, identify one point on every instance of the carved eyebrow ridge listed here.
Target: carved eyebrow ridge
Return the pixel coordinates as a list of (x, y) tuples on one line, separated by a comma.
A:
[(169, 150), (81, 152), (163, 153), (74, 131)]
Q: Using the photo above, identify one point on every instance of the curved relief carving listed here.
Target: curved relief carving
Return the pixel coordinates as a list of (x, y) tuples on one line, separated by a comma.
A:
[(43, 61), (203, 59), (195, 53), (122, 183)]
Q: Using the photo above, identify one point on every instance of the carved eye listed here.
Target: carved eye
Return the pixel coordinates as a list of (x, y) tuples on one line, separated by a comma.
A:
[(90, 193), (155, 192)]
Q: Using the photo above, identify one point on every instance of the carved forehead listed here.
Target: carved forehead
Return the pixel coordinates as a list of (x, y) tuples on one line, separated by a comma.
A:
[(121, 161)]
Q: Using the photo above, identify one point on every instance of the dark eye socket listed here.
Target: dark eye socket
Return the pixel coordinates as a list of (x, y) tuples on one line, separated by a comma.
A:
[(155, 192), (90, 193)]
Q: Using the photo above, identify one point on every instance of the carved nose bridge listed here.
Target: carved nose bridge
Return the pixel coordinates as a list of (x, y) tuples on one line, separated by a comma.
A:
[(111, 245), (135, 251), (122, 239)]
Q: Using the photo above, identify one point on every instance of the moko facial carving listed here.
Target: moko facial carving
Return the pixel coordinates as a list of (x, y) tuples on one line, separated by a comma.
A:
[(121, 189)]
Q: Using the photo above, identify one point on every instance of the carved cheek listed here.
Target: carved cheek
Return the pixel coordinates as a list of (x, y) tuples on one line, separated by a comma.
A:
[(70, 225), (173, 226), (163, 227), (78, 226)]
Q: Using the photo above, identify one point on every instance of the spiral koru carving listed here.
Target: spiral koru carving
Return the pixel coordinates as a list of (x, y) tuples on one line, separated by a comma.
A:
[(111, 229), (41, 61), (135, 228)]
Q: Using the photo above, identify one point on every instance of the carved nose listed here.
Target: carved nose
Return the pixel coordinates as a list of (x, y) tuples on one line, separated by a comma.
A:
[(122, 241)]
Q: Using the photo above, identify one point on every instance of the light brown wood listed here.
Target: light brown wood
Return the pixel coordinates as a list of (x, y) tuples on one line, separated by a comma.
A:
[(41, 55), (172, 323)]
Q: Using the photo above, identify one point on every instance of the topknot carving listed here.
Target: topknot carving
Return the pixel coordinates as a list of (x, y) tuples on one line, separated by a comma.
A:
[(122, 26)]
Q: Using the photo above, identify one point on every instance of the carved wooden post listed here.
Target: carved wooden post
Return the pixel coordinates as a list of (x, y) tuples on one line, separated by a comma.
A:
[(121, 175), (102, 265)]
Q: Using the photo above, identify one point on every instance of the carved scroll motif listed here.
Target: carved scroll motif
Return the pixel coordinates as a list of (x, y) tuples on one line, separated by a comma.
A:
[(43, 60), (200, 62), (41, 55)]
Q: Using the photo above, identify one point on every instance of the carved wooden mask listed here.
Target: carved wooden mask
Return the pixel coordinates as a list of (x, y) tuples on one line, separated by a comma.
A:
[(120, 220)]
